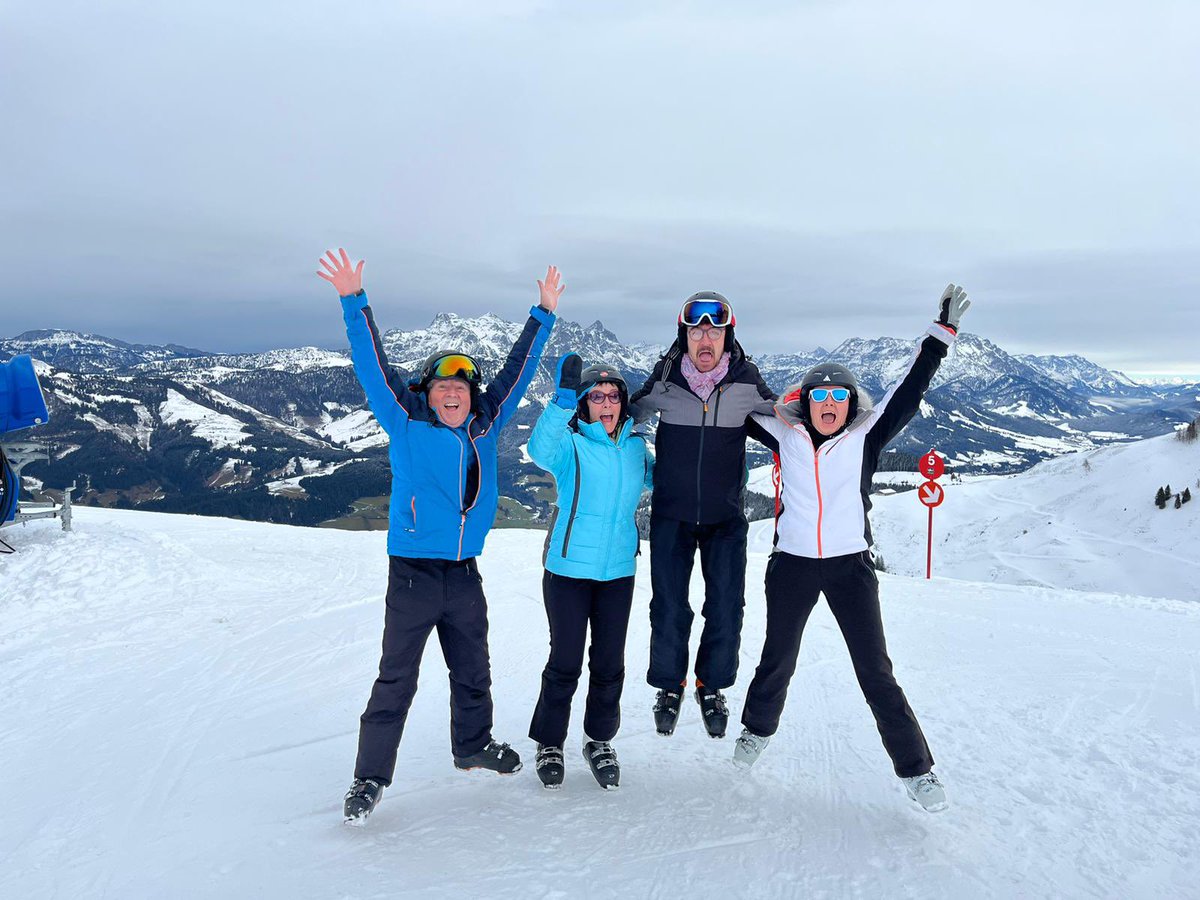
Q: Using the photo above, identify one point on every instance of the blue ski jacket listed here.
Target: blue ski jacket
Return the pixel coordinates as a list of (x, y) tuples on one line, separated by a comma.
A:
[(600, 481), (444, 489)]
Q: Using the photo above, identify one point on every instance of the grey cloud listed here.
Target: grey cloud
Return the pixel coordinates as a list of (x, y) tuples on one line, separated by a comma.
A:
[(177, 168)]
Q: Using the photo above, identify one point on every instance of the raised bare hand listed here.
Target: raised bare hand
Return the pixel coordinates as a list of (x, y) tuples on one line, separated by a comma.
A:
[(550, 289), (339, 273)]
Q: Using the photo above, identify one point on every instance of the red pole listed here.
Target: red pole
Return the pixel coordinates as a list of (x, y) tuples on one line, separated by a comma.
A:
[(929, 548)]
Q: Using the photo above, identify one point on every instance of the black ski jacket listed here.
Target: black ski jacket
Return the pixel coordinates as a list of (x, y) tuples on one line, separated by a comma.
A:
[(700, 448)]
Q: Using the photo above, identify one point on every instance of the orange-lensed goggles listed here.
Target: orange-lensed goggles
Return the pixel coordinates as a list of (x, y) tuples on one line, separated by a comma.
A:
[(456, 365)]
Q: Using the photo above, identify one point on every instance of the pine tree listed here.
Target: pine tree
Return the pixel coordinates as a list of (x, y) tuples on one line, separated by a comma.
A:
[(1186, 495), (1160, 498), (1178, 502)]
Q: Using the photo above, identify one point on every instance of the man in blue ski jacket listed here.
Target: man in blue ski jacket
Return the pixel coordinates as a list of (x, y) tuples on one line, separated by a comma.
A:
[(442, 428)]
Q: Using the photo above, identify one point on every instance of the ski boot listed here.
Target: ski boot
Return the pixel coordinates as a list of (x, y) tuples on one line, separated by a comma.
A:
[(361, 800), (602, 759), (926, 791), (495, 757), (666, 711), (748, 747), (713, 710), (549, 766)]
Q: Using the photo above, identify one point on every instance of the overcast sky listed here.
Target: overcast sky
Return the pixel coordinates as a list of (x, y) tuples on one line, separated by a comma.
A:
[(172, 171)]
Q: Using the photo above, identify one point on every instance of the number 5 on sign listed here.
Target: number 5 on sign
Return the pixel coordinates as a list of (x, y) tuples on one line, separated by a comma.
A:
[(932, 465)]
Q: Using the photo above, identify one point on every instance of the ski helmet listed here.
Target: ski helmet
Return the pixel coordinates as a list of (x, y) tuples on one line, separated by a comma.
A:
[(599, 374), (829, 374), (704, 299), (448, 364)]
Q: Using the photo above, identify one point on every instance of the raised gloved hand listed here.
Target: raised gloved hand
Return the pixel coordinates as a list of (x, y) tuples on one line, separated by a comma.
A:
[(570, 367), (953, 304)]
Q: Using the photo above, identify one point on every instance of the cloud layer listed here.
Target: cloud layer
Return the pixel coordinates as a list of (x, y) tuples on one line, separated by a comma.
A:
[(174, 172)]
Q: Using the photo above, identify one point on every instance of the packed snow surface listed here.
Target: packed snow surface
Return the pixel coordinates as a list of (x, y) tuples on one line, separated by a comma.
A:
[(1085, 520), (178, 716)]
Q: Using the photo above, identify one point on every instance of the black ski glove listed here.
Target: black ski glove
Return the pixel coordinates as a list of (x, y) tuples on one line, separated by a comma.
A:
[(570, 367)]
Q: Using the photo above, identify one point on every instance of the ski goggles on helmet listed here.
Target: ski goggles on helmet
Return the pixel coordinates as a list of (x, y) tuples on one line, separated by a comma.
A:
[(839, 395), (718, 312), (455, 365)]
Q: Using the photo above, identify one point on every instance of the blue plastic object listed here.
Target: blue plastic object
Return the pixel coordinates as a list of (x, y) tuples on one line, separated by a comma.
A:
[(21, 402), (9, 489)]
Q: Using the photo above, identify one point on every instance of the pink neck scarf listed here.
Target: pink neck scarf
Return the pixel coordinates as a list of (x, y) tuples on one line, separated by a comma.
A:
[(704, 383)]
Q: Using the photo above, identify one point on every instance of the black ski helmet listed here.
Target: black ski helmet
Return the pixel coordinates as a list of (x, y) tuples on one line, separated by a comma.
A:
[(707, 295), (829, 374), (420, 382), (599, 374)]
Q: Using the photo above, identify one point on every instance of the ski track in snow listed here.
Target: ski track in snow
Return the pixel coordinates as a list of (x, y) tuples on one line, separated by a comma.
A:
[(184, 693)]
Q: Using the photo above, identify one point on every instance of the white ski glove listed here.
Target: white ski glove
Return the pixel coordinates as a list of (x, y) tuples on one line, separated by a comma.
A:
[(953, 304)]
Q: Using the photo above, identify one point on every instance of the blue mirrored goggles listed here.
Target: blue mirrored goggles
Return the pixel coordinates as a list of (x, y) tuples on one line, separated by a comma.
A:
[(839, 395), (718, 313)]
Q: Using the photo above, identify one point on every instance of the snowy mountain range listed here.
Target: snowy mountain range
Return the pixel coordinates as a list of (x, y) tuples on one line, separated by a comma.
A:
[(285, 436)]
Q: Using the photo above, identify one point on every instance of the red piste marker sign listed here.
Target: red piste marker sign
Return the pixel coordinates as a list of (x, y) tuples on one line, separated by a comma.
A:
[(931, 494), (932, 466)]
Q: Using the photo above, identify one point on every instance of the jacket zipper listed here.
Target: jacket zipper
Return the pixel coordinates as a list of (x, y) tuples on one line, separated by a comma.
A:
[(700, 458), (462, 525), (574, 503), (615, 497), (820, 501)]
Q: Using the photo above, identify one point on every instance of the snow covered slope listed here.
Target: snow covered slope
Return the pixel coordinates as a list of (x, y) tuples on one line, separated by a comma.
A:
[(1085, 521), (179, 701)]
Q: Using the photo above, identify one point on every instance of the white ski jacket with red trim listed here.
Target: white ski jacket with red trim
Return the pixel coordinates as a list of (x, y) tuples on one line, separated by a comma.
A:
[(825, 491)]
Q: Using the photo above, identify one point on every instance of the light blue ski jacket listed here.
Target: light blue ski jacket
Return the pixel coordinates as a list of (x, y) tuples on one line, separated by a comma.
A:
[(600, 481)]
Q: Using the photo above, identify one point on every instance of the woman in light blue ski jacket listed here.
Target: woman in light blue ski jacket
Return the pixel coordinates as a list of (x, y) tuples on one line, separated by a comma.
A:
[(584, 439)]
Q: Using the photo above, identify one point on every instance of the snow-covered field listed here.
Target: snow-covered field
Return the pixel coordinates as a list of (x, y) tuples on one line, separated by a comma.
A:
[(1085, 521), (179, 701)]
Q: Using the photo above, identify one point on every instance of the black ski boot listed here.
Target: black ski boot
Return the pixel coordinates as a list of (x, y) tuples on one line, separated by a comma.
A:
[(602, 759), (666, 711), (713, 710), (361, 799), (549, 765), (495, 757)]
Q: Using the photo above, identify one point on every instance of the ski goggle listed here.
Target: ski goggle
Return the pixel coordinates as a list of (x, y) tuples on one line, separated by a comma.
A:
[(599, 397), (839, 395), (456, 365), (718, 312)]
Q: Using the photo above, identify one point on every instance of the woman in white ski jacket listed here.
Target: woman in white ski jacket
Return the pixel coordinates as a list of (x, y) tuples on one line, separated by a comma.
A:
[(828, 437)]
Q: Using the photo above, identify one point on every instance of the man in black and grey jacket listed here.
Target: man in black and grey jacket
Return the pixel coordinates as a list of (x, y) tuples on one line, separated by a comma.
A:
[(703, 389)]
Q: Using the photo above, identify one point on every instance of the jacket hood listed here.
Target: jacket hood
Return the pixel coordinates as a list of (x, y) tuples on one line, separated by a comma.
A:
[(795, 412)]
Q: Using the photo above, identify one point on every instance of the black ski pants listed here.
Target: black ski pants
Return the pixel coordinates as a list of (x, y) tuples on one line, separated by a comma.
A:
[(849, 584), (424, 594), (673, 546), (571, 605)]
